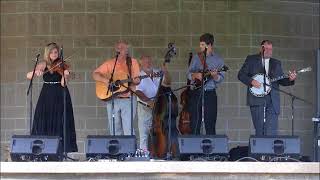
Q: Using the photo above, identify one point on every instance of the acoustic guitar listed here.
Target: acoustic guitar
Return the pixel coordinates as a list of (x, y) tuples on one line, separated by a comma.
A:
[(106, 91)]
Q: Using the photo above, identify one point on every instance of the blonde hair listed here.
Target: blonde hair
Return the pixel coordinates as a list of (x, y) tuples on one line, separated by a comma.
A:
[(47, 50)]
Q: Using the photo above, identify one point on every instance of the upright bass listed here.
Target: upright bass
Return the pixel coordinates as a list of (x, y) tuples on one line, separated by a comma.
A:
[(159, 132), (184, 116)]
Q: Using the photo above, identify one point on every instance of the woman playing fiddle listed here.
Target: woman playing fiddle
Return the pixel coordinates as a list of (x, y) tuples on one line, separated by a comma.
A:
[(48, 117)]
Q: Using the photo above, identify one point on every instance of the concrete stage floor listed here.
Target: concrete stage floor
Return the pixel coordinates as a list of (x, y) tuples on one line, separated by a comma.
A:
[(160, 170)]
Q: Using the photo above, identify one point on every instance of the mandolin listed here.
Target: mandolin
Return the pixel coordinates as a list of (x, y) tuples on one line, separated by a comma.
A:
[(207, 76)]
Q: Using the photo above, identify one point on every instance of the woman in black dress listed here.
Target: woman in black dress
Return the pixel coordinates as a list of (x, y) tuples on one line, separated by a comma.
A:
[(48, 117)]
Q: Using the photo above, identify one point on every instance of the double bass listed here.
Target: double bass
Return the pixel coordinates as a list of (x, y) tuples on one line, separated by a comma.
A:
[(158, 140), (184, 116)]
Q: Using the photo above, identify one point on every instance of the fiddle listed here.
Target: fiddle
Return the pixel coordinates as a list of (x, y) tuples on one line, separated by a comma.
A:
[(58, 66)]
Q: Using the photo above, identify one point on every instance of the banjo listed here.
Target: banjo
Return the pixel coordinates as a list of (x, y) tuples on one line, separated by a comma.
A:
[(259, 92)]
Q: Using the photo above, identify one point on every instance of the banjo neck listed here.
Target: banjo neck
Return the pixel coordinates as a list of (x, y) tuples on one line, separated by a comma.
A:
[(307, 69)]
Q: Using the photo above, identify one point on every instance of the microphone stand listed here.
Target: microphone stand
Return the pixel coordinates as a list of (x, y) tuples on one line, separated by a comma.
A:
[(202, 127), (65, 155), (64, 106), (129, 64), (264, 90), (293, 97), (111, 88), (29, 91)]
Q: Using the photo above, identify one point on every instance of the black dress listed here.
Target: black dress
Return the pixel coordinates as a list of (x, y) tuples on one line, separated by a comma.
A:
[(48, 117)]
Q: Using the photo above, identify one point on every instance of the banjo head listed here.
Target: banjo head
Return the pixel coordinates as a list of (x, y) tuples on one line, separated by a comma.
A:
[(259, 92)]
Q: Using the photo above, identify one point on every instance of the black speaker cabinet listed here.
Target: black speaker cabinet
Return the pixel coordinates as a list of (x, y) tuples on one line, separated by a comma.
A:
[(202, 145), (268, 148), (106, 147), (35, 148)]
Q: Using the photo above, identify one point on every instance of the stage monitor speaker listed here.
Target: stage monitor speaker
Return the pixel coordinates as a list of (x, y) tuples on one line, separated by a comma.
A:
[(35, 148), (202, 146), (274, 148), (110, 147)]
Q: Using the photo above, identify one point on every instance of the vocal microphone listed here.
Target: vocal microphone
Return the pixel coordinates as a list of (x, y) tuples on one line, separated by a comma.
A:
[(117, 54), (205, 50), (38, 55)]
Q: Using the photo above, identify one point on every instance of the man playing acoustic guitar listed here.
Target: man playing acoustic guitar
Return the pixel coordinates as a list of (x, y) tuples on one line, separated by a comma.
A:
[(126, 70)]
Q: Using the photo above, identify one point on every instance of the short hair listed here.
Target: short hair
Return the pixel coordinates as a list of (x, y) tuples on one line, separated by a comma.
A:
[(266, 41), (207, 38)]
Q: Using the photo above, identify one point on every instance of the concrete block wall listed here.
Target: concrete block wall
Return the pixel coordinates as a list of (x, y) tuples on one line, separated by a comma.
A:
[(88, 30)]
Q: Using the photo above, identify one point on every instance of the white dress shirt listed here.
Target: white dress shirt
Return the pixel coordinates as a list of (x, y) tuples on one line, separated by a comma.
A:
[(266, 65)]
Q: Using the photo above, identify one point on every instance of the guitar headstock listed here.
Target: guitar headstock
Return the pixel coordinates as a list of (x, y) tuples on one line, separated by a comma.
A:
[(307, 69), (171, 51)]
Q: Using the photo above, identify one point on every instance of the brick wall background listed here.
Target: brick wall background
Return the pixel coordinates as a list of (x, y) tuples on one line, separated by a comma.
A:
[(90, 28)]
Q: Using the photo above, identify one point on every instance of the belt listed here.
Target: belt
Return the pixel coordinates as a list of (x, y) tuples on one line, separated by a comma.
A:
[(51, 82), (206, 90), (209, 90), (123, 97), (144, 104)]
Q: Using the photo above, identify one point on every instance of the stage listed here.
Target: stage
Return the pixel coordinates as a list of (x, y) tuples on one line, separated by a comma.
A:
[(160, 170)]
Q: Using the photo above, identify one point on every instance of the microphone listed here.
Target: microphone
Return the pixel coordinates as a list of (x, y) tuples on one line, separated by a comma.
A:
[(205, 50), (38, 55), (117, 54)]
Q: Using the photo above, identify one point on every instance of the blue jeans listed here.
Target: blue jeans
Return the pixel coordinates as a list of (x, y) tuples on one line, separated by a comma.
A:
[(122, 115)]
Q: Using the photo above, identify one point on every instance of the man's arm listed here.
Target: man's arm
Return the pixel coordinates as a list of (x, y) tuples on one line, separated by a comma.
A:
[(243, 73), (97, 76), (101, 73), (286, 81), (135, 72), (192, 75)]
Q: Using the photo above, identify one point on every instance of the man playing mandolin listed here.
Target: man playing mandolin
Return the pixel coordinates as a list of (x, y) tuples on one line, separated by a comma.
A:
[(264, 107), (125, 69), (212, 62)]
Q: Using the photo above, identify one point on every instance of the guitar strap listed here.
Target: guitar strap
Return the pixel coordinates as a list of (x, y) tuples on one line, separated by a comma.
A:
[(201, 57), (129, 64)]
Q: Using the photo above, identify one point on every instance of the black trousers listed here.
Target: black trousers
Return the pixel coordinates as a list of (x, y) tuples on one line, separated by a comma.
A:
[(210, 111), (270, 126)]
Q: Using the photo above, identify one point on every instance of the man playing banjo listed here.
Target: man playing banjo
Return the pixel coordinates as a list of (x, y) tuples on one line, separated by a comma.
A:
[(264, 99)]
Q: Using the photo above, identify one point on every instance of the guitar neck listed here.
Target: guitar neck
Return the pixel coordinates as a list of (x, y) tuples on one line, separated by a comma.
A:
[(129, 80)]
